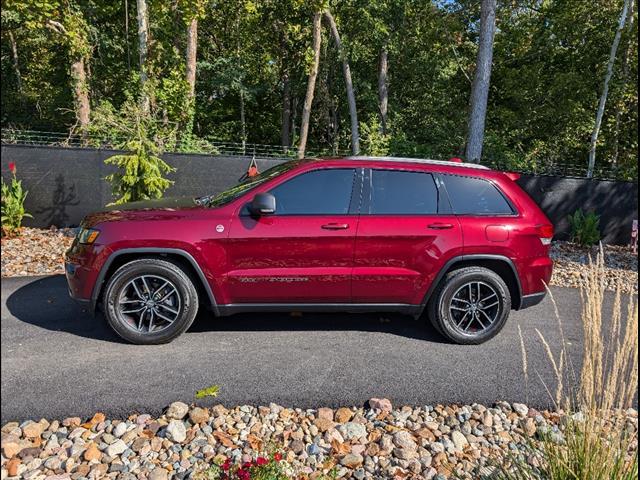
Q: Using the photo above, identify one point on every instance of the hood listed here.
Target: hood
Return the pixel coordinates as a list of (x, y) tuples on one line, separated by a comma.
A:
[(160, 203), (157, 209)]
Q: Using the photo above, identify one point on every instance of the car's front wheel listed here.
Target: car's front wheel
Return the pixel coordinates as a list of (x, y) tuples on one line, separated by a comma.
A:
[(150, 301), (470, 306)]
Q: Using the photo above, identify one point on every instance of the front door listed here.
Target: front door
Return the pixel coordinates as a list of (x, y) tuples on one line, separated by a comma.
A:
[(302, 253), (405, 235)]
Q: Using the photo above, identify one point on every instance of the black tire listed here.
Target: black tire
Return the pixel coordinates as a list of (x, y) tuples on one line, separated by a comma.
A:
[(444, 320), (185, 300)]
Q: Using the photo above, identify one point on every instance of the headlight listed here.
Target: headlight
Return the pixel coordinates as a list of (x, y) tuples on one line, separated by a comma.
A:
[(87, 235)]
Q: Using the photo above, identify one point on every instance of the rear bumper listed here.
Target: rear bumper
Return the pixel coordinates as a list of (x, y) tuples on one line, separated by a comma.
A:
[(530, 300)]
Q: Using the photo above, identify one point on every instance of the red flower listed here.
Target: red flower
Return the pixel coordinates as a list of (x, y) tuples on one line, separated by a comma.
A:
[(243, 474), (261, 461), (12, 167), (226, 465), (277, 457), (246, 465)]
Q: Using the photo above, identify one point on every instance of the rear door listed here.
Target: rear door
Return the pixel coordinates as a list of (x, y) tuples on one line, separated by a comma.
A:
[(405, 235), (303, 253)]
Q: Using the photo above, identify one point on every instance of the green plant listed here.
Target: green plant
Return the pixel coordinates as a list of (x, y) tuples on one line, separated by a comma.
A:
[(211, 391), (269, 467), (13, 197), (140, 173), (374, 142), (585, 228)]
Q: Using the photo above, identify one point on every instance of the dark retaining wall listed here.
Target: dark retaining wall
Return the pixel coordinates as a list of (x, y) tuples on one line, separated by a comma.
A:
[(65, 184)]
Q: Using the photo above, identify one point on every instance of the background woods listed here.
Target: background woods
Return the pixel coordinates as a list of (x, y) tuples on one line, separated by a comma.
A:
[(388, 76)]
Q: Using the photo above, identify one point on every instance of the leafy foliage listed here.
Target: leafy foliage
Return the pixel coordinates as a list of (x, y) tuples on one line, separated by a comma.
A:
[(211, 391), (13, 211), (140, 174), (253, 58), (585, 228)]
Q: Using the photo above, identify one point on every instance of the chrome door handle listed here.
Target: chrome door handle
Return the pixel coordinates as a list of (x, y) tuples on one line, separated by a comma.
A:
[(440, 226), (335, 226)]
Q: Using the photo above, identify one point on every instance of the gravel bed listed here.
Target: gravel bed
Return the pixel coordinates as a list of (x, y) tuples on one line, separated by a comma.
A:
[(39, 252), (410, 442), (36, 251), (621, 265)]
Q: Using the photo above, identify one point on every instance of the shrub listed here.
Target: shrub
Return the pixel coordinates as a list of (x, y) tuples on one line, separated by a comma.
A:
[(140, 173), (585, 229), (13, 197)]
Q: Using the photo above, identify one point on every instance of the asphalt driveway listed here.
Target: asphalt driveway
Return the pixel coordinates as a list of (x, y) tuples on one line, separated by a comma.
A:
[(58, 360)]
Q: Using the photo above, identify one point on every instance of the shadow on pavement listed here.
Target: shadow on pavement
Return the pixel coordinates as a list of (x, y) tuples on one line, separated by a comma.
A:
[(45, 303)]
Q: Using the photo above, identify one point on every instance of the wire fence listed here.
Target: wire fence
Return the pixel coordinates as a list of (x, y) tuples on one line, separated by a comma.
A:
[(203, 146), (208, 146)]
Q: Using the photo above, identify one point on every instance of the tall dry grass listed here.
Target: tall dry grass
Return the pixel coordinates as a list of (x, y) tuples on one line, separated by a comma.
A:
[(596, 443)]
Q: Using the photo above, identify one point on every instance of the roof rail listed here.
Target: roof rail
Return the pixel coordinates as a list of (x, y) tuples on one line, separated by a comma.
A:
[(418, 160)]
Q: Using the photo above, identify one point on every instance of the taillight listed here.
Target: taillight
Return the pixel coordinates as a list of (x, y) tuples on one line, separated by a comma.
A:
[(545, 232)]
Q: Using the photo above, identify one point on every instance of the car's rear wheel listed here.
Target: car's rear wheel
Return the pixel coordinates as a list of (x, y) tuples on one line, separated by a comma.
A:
[(470, 306), (150, 301)]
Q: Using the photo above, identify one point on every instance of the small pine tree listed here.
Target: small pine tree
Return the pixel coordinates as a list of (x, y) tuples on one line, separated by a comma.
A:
[(140, 173)]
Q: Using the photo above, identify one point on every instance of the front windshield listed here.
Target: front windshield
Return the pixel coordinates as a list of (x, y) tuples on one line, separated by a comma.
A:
[(236, 191)]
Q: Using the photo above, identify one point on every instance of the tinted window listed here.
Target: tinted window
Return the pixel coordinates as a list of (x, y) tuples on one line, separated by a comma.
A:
[(319, 192), (398, 192), (475, 196)]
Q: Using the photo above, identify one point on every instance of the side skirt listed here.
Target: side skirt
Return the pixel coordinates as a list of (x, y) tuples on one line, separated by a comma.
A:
[(403, 308)]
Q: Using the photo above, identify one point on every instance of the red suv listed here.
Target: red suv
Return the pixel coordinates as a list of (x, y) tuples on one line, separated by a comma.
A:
[(456, 242)]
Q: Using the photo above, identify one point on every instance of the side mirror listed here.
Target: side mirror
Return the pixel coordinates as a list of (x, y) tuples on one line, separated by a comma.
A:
[(263, 204)]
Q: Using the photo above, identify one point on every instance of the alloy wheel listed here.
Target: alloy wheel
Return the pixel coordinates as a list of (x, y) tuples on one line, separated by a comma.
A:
[(474, 307), (149, 303)]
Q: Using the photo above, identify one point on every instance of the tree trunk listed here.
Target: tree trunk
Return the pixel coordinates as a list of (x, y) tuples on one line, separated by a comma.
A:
[(81, 93), (294, 120), (243, 124), (481, 80), (311, 85), (192, 48), (351, 98), (624, 80), (605, 89), (143, 40), (383, 92), (285, 133), (16, 63)]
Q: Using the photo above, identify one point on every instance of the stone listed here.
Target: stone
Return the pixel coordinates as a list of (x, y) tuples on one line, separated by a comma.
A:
[(177, 411), (351, 460), (529, 426), (159, 473), (426, 434), (176, 431), (120, 429), (33, 429), (72, 422), (383, 404), (325, 413), (404, 439), (198, 415), (520, 409), (405, 453), (459, 440), (92, 452), (343, 415), (12, 467), (116, 448), (353, 431)]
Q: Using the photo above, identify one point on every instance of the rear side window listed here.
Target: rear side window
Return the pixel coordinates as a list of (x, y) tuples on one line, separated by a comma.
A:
[(396, 192), (475, 196), (319, 192)]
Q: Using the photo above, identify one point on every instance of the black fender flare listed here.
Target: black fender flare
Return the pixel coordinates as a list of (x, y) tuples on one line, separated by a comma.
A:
[(97, 288), (466, 258)]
